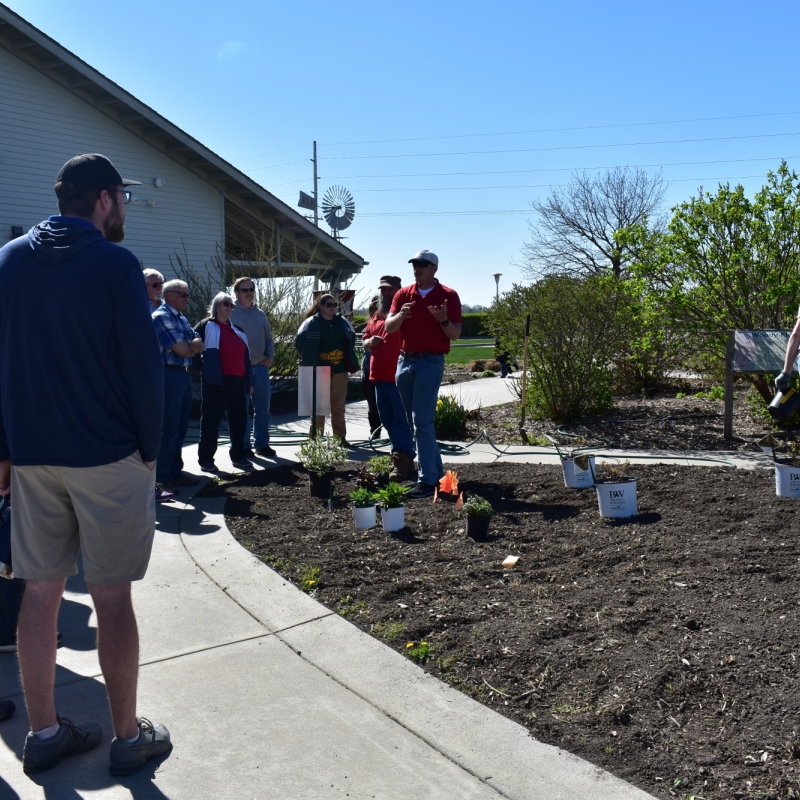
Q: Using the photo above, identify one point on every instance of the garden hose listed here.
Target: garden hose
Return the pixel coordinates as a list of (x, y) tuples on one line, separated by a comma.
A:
[(280, 437)]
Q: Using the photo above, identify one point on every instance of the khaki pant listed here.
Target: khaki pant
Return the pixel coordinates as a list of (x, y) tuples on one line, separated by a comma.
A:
[(338, 398), (106, 512)]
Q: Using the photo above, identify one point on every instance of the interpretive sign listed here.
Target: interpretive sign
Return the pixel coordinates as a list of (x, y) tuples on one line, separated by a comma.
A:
[(751, 352), (759, 351)]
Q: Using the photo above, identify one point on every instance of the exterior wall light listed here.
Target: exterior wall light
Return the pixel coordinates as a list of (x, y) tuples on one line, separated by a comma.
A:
[(159, 183)]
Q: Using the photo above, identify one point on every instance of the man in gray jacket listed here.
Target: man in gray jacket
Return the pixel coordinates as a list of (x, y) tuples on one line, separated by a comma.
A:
[(253, 321)]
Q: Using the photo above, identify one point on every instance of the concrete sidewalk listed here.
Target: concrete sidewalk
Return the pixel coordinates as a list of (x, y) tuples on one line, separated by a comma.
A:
[(268, 694)]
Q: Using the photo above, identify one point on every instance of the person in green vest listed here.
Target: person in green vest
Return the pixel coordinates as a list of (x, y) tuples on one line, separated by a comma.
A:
[(327, 339)]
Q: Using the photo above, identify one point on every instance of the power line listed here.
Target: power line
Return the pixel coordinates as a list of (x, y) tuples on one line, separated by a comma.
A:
[(541, 169), (560, 130), (550, 169), (566, 147), (531, 185)]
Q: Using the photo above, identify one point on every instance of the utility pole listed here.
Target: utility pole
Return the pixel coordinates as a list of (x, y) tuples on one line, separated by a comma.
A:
[(316, 186), (316, 213)]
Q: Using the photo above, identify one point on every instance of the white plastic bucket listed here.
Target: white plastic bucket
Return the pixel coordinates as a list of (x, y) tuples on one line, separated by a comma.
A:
[(393, 518), (787, 480), (617, 497), (365, 517), (578, 475)]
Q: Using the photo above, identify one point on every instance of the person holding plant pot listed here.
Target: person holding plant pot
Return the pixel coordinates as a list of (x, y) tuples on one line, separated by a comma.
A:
[(227, 383), (327, 339), (384, 349)]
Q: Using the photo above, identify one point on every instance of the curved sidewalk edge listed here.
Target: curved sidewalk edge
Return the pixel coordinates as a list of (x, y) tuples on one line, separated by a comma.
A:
[(480, 741)]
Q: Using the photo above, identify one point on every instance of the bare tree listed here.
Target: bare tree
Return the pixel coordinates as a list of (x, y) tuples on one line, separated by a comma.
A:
[(576, 230)]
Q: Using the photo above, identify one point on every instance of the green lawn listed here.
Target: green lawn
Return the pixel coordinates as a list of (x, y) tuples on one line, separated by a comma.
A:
[(463, 355)]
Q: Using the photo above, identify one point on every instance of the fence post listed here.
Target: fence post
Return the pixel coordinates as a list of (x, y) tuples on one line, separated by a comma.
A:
[(730, 345)]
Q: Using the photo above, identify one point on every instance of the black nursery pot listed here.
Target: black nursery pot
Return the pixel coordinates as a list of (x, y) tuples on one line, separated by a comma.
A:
[(320, 485), (478, 527)]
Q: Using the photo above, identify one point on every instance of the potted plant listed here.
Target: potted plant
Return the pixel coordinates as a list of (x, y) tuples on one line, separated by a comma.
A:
[(577, 466), (616, 492), (364, 508), (319, 456), (380, 467), (392, 498), (479, 514)]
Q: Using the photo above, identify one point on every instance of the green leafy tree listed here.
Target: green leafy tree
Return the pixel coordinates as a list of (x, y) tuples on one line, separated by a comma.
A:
[(577, 327), (725, 261)]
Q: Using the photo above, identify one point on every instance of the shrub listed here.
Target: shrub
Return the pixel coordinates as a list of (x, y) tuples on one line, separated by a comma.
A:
[(478, 507), (481, 364), (487, 373), (392, 496), (577, 327), (473, 325), (321, 455), (450, 418)]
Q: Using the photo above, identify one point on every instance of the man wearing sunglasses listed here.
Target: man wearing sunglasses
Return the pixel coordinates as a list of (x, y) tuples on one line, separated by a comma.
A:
[(179, 345), (255, 324), (154, 281), (428, 317), (81, 425)]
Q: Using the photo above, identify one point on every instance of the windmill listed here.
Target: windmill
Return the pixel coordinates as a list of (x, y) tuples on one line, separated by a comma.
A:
[(338, 208)]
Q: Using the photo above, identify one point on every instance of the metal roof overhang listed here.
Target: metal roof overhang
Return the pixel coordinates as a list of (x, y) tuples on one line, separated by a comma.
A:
[(249, 208)]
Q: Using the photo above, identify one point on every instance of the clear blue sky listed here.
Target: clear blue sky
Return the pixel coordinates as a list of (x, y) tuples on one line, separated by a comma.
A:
[(405, 101)]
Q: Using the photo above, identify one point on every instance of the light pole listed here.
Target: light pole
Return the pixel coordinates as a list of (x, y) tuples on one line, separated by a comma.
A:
[(497, 285)]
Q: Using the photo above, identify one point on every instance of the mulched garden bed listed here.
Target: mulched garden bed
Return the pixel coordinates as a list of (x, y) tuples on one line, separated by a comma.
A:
[(662, 648), (661, 420)]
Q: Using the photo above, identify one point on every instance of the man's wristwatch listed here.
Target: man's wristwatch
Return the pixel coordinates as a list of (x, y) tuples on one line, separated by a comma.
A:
[(445, 323)]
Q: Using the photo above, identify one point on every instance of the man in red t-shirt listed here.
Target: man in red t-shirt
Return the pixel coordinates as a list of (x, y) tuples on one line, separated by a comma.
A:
[(428, 317), (384, 350)]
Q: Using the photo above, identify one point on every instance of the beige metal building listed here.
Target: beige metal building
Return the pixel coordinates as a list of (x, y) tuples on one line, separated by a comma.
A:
[(53, 105)]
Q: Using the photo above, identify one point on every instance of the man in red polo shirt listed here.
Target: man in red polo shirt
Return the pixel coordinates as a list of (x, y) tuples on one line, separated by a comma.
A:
[(428, 317)]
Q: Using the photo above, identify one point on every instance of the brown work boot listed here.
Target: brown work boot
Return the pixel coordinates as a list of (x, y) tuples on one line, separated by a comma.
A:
[(401, 463)]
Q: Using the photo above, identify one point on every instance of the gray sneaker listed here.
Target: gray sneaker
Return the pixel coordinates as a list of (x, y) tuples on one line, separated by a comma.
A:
[(43, 754), (128, 757)]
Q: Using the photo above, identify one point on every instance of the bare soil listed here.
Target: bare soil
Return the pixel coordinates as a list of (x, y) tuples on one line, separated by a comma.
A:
[(659, 421), (662, 648)]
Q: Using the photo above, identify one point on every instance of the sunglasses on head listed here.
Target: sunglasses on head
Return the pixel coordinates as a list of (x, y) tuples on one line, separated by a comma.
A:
[(247, 291)]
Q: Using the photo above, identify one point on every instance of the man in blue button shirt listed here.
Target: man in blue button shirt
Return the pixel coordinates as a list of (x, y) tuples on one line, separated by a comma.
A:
[(179, 345)]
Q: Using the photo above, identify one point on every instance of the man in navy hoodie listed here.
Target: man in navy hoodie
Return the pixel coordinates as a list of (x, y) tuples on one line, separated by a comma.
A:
[(81, 398)]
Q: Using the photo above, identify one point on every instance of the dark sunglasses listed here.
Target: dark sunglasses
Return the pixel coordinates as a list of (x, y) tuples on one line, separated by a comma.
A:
[(180, 294), (330, 305), (246, 291), (126, 195), (226, 303), (421, 264), (156, 285)]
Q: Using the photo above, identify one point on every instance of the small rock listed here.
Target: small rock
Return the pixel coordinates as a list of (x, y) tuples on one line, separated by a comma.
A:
[(511, 562)]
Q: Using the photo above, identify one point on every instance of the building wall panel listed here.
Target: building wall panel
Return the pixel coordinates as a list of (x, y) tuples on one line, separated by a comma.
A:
[(42, 125)]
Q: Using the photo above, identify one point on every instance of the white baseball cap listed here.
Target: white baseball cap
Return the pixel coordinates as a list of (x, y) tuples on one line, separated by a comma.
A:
[(425, 255)]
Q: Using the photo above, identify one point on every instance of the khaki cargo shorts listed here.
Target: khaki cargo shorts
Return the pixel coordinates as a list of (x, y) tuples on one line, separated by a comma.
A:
[(106, 512)]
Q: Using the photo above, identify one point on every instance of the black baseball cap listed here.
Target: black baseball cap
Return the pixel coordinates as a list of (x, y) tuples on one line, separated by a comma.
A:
[(391, 281), (88, 171)]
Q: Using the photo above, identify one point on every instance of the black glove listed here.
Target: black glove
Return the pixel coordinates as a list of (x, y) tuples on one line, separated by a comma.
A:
[(782, 382)]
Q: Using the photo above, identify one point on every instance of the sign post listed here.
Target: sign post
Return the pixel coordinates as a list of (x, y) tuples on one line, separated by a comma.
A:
[(751, 352)]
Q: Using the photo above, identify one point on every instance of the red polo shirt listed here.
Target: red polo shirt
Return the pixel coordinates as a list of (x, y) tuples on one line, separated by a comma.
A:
[(383, 358), (422, 331)]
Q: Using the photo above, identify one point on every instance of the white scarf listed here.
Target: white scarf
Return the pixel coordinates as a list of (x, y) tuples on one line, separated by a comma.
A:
[(212, 336)]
